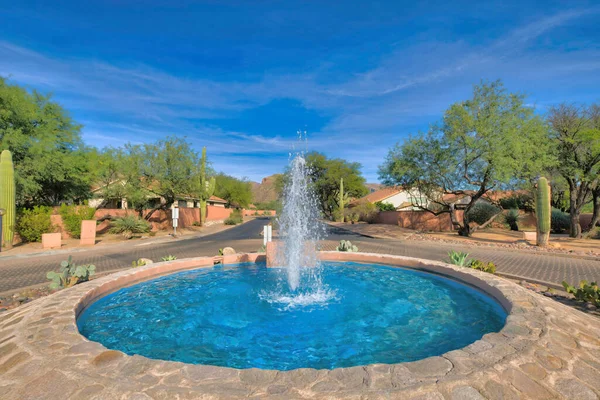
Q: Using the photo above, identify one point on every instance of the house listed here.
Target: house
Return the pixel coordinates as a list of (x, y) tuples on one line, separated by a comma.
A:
[(401, 199), (216, 201), (184, 201)]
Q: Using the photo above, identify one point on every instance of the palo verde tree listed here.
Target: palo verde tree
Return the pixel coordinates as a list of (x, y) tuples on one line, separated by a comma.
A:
[(489, 142), (166, 169), (575, 139)]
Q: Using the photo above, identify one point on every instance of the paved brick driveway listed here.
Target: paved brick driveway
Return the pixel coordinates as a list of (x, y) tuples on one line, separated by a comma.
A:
[(18, 272)]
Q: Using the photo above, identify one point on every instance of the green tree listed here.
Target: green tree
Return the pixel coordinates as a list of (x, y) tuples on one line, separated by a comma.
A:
[(237, 192), (492, 141), (575, 137), (326, 175), (49, 156), (167, 169)]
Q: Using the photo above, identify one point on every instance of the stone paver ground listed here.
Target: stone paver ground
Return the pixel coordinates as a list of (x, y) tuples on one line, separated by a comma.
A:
[(545, 351), (547, 268)]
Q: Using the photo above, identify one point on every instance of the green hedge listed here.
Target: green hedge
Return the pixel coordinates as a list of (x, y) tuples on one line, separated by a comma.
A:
[(31, 224), (72, 217)]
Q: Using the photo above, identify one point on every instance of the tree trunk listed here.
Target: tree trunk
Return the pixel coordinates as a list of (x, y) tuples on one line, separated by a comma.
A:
[(574, 211), (596, 212)]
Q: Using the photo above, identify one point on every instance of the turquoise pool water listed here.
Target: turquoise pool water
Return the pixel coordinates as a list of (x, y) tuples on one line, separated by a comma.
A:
[(244, 316)]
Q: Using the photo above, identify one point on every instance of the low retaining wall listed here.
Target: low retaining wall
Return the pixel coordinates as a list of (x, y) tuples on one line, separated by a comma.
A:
[(417, 220), (160, 220), (545, 350)]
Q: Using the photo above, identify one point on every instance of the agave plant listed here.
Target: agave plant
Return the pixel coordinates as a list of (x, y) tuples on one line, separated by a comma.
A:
[(457, 258), (129, 225)]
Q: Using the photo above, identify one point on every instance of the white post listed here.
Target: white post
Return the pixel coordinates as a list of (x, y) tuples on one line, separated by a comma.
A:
[(265, 235), (269, 233), (175, 219)]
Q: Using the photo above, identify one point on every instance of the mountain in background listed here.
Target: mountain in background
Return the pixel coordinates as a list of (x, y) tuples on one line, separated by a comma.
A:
[(265, 191), (373, 187)]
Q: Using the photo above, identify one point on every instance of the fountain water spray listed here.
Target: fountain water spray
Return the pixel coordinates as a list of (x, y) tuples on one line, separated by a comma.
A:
[(299, 226)]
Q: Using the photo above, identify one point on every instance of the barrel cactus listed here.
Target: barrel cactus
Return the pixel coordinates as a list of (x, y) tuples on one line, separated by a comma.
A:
[(543, 211), (7, 197)]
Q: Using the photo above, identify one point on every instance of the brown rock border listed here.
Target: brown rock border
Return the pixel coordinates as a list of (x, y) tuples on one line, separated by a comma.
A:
[(545, 350)]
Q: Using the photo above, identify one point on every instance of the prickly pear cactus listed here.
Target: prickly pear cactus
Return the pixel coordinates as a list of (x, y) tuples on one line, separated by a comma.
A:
[(7, 197), (346, 245)]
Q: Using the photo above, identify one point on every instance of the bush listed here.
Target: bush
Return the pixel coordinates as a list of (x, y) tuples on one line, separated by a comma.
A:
[(560, 221), (585, 292), (482, 211), (235, 218), (512, 219), (480, 265), (385, 206), (31, 224), (366, 211), (169, 258), (129, 225), (519, 201), (72, 217)]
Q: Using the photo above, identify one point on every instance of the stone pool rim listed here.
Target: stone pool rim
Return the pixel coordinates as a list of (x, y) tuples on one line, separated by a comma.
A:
[(44, 334)]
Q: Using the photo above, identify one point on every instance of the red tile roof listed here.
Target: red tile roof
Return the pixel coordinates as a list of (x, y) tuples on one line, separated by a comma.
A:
[(216, 199), (380, 195)]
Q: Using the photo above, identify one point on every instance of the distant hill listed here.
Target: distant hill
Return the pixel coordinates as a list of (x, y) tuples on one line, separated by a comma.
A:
[(373, 187), (264, 191)]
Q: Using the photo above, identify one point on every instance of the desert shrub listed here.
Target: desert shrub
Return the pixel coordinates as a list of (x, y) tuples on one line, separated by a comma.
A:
[(512, 219), (482, 211), (457, 258), (235, 218), (559, 221), (140, 262), (519, 201), (31, 224), (129, 225), (366, 211), (169, 258), (585, 292), (385, 206), (72, 217), (70, 274), (481, 266)]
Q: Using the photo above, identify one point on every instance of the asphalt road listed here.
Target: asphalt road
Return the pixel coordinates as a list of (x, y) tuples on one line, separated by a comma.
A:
[(18, 272)]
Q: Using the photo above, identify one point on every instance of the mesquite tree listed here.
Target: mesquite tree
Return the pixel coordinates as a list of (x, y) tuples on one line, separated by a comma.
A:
[(489, 142), (575, 137)]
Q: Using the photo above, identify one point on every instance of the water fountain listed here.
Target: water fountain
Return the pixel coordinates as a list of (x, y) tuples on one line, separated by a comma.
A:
[(302, 313)]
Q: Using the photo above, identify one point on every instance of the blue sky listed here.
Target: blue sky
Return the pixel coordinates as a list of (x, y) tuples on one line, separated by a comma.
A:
[(242, 77)]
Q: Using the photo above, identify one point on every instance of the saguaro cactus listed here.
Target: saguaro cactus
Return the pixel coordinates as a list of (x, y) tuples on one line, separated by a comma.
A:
[(341, 200), (207, 187), (7, 197), (542, 211)]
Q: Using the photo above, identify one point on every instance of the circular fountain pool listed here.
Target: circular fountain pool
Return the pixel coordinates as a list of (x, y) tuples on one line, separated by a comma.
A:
[(244, 316)]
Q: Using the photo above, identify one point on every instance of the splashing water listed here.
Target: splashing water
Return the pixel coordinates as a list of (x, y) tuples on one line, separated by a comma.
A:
[(300, 231)]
